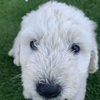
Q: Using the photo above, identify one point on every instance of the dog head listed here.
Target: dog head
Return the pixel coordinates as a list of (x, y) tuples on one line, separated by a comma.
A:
[(55, 48)]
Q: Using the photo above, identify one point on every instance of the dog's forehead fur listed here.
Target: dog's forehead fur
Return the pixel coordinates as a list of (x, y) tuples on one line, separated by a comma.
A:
[(61, 19)]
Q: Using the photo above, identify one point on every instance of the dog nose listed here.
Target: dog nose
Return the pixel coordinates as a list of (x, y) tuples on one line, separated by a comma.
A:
[(48, 90)]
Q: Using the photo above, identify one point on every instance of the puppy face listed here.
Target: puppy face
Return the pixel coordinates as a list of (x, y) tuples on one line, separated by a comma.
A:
[(56, 46)]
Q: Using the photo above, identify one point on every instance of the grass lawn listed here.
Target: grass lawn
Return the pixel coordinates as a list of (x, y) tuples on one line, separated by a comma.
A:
[(11, 12)]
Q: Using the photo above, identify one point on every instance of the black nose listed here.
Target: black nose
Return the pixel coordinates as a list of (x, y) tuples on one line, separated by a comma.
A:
[(48, 90)]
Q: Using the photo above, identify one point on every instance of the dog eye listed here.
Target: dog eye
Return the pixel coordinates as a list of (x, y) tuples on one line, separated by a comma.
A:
[(33, 44), (75, 48)]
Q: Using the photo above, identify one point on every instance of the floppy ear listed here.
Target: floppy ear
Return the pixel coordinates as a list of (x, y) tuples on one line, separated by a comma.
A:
[(93, 66), (15, 51)]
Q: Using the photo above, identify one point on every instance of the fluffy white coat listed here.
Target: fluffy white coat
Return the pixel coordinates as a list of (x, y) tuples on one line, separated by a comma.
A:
[(56, 26)]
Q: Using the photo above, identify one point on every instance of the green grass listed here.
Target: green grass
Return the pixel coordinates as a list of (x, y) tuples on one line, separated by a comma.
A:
[(11, 12)]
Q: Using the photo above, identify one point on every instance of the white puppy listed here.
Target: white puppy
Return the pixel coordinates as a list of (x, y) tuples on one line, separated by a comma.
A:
[(56, 50)]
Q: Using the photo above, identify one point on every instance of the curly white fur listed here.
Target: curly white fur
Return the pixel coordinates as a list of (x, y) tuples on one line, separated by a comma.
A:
[(56, 26)]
